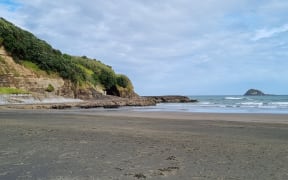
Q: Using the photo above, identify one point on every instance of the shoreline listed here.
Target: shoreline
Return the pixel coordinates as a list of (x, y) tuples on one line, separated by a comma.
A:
[(84, 104), (200, 116), (105, 102), (265, 118)]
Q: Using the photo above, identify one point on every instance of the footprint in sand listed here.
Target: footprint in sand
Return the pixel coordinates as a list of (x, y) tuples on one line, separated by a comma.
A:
[(171, 170)]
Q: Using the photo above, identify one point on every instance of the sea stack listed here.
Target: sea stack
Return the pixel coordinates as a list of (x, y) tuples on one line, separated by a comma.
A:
[(254, 92)]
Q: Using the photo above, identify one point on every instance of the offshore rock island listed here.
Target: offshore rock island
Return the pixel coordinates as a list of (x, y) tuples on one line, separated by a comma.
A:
[(254, 92)]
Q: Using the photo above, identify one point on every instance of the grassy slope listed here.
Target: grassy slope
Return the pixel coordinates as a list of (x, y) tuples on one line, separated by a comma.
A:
[(6, 90)]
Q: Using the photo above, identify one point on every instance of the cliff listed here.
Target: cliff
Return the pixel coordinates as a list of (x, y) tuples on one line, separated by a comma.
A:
[(32, 65)]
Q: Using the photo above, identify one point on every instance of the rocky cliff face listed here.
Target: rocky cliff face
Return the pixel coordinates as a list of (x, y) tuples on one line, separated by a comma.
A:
[(43, 70), (17, 76)]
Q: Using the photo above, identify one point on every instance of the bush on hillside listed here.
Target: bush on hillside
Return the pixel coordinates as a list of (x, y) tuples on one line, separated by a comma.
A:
[(123, 81), (50, 88)]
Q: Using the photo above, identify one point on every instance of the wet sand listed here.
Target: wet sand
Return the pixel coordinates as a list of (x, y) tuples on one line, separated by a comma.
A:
[(89, 144)]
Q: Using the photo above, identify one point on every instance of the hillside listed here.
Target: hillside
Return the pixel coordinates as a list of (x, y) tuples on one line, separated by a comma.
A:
[(32, 65)]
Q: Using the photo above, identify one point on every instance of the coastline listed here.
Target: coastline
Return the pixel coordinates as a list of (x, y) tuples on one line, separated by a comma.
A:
[(109, 102), (104, 101), (107, 144)]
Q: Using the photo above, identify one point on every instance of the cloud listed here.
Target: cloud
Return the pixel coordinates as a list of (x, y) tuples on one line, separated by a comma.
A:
[(268, 33), (175, 46)]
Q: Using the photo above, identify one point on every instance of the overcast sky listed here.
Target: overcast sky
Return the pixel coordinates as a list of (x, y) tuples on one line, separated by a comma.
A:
[(186, 47)]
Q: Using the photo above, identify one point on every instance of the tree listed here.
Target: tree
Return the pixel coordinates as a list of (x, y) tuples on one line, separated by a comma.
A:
[(123, 81), (107, 78)]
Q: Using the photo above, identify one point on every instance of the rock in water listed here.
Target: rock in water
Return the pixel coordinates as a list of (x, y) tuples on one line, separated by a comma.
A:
[(254, 92), (170, 99)]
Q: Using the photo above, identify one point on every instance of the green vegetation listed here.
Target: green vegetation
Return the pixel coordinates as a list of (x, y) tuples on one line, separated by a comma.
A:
[(40, 56), (7, 90), (124, 85), (31, 65), (50, 88), (34, 67), (2, 60), (123, 81)]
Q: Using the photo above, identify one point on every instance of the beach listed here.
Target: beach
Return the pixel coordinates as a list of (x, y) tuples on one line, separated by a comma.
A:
[(120, 144)]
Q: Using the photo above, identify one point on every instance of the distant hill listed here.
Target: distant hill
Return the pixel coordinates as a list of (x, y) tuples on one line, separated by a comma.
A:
[(33, 65)]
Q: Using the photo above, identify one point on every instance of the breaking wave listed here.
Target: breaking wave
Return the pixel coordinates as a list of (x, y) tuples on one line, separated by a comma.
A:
[(233, 98), (228, 104)]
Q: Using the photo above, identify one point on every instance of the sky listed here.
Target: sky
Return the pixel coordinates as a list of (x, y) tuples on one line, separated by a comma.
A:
[(185, 47)]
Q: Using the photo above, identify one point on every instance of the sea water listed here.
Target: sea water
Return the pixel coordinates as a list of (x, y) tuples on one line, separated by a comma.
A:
[(227, 104)]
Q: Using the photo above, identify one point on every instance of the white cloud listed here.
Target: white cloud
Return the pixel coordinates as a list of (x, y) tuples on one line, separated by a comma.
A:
[(268, 33), (166, 45)]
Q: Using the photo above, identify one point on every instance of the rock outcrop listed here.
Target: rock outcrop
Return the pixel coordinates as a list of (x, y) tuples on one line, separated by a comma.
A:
[(107, 102), (102, 102), (254, 92), (170, 99)]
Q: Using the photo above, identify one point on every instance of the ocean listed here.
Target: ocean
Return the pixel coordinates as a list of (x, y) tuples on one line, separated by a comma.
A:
[(277, 104)]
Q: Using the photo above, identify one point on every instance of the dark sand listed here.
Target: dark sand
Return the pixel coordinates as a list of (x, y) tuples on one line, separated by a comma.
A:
[(82, 144)]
